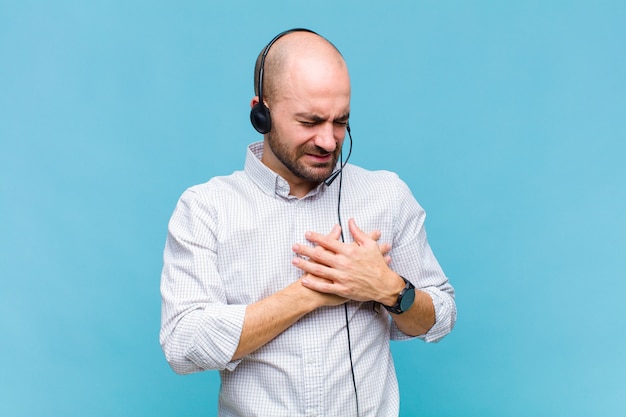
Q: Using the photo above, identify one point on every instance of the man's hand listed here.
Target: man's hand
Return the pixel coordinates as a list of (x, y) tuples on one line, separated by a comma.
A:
[(324, 298), (357, 271)]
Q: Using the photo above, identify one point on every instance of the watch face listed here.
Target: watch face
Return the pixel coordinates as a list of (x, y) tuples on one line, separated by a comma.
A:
[(407, 299)]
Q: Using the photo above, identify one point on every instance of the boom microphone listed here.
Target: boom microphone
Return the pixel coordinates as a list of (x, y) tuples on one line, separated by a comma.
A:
[(328, 181)]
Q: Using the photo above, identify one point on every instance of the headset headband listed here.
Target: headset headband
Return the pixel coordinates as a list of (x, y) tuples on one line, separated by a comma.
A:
[(260, 114)]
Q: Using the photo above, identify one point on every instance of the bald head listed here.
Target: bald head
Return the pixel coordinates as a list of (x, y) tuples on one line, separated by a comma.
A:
[(291, 53)]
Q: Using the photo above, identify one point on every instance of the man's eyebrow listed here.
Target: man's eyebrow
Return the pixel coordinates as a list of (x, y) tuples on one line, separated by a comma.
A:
[(317, 118), (311, 116)]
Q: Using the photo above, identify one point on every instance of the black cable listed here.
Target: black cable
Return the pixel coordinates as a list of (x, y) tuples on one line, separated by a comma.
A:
[(345, 305), (342, 165), (356, 394)]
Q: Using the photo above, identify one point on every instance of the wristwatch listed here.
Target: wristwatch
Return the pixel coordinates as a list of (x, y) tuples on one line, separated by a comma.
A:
[(405, 299)]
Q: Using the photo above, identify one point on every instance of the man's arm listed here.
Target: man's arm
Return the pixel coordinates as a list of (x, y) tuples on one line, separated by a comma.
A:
[(271, 316)]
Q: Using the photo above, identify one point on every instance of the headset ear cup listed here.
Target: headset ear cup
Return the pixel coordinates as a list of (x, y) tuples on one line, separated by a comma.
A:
[(260, 118)]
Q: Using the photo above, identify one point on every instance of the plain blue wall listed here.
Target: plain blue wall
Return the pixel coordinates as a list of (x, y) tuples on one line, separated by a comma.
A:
[(507, 119)]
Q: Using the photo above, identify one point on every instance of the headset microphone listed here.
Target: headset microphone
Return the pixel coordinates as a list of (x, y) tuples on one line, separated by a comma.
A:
[(328, 181)]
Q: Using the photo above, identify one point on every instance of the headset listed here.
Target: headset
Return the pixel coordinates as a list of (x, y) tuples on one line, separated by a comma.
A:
[(261, 120), (260, 114)]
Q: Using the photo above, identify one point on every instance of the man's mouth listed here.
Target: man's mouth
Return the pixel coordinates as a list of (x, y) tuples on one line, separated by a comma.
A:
[(320, 158)]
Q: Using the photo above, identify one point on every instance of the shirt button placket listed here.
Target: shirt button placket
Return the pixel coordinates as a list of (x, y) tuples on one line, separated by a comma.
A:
[(312, 377), (310, 346)]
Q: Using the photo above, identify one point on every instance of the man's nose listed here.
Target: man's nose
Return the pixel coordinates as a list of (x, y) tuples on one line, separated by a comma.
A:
[(325, 137)]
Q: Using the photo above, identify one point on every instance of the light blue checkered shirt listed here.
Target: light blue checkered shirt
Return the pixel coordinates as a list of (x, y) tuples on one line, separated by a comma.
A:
[(229, 245)]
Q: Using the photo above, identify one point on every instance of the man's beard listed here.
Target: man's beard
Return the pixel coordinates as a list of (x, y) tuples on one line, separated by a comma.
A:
[(291, 159)]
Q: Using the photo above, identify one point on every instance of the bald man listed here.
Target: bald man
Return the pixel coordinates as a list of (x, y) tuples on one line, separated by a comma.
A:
[(262, 280)]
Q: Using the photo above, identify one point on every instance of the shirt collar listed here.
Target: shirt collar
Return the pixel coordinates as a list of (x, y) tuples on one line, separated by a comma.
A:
[(267, 180)]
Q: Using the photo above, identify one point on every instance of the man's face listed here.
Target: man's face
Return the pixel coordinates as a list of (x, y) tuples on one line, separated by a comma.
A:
[(298, 152), (309, 117)]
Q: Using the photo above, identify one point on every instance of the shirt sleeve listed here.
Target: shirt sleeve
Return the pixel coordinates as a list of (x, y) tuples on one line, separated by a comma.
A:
[(199, 330), (413, 258)]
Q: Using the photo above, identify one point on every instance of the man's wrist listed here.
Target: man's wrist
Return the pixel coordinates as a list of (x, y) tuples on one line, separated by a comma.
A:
[(395, 289)]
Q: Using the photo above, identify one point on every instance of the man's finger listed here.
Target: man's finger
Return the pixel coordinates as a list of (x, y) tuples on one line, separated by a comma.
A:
[(330, 241), (335, 232), (359, 235)]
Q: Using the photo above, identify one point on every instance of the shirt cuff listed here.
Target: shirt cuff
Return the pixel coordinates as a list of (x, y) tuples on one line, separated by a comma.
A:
[(217, 337), (445, 315)]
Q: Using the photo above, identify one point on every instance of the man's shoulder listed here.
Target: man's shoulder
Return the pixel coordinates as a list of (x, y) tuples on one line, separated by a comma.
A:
[(360, 175), (216, 186), (367, 183)]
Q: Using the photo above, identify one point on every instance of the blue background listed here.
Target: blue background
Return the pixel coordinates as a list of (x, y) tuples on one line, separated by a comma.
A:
[(507, 119)]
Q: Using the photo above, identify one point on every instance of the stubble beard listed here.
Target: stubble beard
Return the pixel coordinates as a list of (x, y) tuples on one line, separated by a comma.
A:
[(291, 159)]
